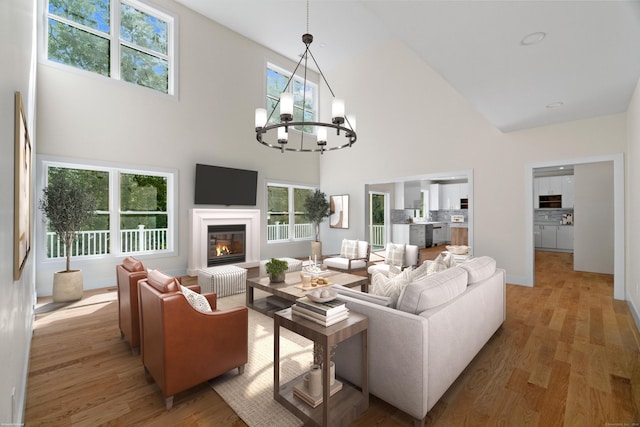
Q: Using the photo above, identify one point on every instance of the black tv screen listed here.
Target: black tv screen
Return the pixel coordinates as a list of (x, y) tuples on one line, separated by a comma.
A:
[(217, 185)]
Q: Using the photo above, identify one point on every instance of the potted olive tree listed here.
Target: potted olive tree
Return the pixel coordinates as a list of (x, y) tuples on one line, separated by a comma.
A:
[(276, 269), (69, 206), (317, 208)]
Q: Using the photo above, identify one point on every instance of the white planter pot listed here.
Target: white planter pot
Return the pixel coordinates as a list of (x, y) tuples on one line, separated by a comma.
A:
[(67, 286)]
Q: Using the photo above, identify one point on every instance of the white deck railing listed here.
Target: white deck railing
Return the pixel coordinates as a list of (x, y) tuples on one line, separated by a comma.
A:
[(377, 236), (97, 242), (281, 231)]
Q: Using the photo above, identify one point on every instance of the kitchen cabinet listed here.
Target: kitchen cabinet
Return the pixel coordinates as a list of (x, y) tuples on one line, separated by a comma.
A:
[(434, 197), (449, 197), (553, 237), (567, 191), (400, 233), (549, 185), (564, 237), (459, 236)]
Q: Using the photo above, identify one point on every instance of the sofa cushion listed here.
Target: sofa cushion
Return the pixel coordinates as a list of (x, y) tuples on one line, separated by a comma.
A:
[(362, 296), (349, 249), (479, 268), (132, 264), (433, 290), (395, 254), (343, 263), (197, 301), (390, 287), (161, 281)]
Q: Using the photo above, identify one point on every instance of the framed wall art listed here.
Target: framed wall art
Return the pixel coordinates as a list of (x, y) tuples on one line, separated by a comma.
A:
[(22, 190), (339, 206)]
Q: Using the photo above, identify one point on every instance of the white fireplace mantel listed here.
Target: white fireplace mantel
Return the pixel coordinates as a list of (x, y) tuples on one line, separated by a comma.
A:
[(201, 219)]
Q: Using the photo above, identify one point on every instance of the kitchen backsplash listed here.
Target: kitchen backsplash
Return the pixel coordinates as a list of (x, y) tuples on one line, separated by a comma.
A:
[(402, 216), (551, 216)]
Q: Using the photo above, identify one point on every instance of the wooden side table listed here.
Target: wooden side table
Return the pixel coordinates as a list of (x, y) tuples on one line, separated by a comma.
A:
[(347, 404)]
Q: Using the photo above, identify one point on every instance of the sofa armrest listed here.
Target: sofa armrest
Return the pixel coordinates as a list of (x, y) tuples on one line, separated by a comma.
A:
[(401, 376)]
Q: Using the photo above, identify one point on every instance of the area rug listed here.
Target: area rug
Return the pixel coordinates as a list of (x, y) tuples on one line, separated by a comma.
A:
[(250, 395)]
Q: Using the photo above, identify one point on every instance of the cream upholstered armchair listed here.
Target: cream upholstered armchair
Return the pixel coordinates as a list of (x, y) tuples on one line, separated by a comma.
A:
[(354, 256), (399, 255)]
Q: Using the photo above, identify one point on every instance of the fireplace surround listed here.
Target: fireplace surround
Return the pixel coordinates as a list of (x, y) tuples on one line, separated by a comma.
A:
[(201, 219)]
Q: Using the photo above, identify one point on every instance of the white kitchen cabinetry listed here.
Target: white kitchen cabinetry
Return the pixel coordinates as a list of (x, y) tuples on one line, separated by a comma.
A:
[(549, 233), (449, 193), (400, 233), (549, 185), (464, 190), (434, 197), (553, 237), (564, 238), (567, 191)]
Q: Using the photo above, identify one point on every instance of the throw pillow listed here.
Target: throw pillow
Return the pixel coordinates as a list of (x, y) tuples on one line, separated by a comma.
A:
[(197, 301), (395, 254), (349, 249), (361, 296), (390, 287)]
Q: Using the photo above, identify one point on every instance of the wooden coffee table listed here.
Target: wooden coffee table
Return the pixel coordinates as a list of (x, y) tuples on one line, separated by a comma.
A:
[(284, 294)]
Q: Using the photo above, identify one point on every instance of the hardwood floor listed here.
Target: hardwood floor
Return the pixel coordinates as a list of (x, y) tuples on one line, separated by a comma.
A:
[(568, 354)]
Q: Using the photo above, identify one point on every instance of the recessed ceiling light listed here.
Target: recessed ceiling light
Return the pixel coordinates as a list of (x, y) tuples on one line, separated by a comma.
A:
[(533, 38), (555, 104)]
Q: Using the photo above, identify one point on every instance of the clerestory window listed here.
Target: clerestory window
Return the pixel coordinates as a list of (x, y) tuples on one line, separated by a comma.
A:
[(123, 39), (305, 99)]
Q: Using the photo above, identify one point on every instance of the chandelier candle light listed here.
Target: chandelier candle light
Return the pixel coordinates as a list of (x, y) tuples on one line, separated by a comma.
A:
[(342, 123)]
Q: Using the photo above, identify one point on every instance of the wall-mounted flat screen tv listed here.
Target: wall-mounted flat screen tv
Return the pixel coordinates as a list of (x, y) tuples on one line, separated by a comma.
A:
[(217, 185)]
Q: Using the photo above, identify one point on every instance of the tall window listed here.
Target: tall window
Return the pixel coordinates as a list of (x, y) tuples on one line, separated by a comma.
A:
[(134, 213), (305, 102), (123, 39), (286, 220)]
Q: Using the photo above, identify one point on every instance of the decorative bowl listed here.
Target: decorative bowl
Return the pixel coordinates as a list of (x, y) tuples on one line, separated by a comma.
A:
[(322, 296), (458, 250)]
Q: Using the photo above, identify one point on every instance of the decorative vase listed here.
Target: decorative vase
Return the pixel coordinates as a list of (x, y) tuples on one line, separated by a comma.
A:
[(276, 278), (67, 286), (316, 251), (315, 380)]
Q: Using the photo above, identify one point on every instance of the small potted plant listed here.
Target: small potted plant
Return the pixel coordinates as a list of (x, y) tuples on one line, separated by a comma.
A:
[(276, 269)]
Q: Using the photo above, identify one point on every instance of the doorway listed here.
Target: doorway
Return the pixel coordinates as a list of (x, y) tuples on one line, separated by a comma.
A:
[(618, 217), (378, 220)]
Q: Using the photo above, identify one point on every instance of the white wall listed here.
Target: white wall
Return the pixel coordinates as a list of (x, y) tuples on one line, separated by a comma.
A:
[(411, 122), (17, 47), (212, 122), (593, 229), (633, 205)]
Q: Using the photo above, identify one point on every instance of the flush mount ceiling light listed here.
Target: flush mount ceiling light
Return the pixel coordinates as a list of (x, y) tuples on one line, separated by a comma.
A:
[(344, 125), (533, 38), (555, 104)]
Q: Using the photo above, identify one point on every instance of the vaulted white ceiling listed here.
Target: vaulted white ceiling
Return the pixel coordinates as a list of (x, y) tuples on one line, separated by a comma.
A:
[(587, 64)]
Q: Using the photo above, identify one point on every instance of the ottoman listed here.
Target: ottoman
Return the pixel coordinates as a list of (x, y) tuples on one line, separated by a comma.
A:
[(294, 265), (223, 280)]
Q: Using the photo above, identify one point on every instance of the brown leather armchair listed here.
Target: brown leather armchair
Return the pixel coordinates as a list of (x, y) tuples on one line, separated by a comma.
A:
[(128, 273), (182, 347)]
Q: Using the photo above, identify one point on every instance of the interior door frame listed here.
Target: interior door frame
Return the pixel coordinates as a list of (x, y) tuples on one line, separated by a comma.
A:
[(618, 217)]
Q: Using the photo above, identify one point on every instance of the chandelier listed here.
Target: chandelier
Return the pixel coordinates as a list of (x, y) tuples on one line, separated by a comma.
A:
[(344, 125)]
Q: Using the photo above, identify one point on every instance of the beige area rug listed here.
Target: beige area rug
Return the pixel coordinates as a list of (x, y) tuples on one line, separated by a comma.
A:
[(251, 394)]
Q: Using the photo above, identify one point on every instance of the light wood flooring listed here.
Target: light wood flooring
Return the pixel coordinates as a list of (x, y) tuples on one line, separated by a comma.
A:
[(568, 354)]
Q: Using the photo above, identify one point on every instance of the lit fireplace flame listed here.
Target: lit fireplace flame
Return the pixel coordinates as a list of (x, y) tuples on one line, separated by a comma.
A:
[(222, 250)]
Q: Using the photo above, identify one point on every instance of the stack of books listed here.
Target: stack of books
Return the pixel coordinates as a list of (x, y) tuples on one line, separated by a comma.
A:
[(323, 313), (300, 391)]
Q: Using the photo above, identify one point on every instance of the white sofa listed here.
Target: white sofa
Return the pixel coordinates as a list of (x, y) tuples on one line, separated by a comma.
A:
[(415, 354), (411, 255)]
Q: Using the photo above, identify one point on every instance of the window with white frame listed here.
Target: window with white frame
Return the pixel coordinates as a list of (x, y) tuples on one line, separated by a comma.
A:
[(123, 39), (286, 220), (134, 212), (305, 98)]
